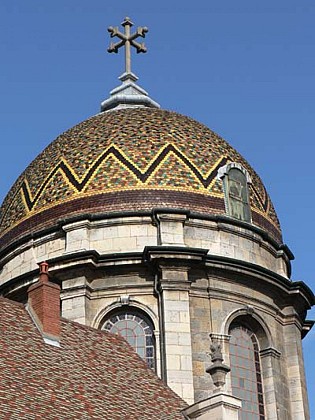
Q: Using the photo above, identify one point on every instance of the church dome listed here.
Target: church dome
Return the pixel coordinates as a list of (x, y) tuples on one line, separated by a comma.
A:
[(128, 160)]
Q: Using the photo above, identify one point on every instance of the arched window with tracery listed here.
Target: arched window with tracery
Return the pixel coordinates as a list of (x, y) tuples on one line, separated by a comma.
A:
[(136, 328), (246, 375)]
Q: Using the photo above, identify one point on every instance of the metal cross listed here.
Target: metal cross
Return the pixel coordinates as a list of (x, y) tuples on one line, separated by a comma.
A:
[(127, 39)]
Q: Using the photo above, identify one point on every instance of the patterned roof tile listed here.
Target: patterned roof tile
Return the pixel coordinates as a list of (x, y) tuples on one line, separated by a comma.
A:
[(92, 375), (141, 150)]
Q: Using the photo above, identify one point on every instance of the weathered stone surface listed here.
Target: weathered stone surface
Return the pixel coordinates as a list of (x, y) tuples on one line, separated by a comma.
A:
[(186, 297)]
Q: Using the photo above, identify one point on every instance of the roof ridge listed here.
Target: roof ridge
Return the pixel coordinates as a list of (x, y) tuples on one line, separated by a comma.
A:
[(14, 302)]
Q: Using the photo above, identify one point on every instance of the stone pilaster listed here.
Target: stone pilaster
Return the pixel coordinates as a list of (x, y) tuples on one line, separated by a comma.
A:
[(75, 300), (174, 287), (171, 229), (77, 236), (295, 369), (172, 263), (270, 366)]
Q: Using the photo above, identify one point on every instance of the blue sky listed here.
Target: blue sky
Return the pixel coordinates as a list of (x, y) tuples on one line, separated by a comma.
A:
[(244, 68)]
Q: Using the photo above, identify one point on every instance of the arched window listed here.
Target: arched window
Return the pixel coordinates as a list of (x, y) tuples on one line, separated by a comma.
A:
[(246, 372), (235, 185), (137, 329)]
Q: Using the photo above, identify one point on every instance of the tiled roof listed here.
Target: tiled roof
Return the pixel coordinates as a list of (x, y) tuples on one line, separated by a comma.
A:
[(92, 375), (127, 160)]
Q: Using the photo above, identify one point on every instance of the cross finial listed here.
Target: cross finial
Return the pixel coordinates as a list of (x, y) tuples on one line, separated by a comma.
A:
[(127, 39)]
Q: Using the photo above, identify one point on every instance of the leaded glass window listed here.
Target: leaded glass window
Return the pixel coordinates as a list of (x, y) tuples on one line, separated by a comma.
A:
[(236, 194), (137, 329), (246, 373)]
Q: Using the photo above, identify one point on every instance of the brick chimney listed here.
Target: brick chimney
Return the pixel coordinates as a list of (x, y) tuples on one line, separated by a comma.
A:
[(44, 306)]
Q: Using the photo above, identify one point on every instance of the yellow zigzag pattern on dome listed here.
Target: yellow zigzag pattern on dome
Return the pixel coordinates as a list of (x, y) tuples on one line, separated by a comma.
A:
[(143, 176)]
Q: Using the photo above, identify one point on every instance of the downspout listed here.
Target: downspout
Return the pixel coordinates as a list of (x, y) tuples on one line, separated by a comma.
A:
[(158, 293)]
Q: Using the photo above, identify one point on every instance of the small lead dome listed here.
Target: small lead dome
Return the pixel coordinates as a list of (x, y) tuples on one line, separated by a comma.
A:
[(129, 160)]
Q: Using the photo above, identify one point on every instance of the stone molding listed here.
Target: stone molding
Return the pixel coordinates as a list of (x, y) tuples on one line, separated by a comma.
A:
[(224, 170), (96, 322), (223, 338), (220, 406), (270, 352)]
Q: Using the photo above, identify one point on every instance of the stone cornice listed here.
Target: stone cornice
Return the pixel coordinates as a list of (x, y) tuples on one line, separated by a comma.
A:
[(295, 289), (181, 253), (221, 220), (297, 294)]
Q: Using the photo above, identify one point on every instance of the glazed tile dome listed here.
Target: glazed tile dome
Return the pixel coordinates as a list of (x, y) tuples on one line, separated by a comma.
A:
[(128, 160)]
